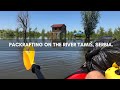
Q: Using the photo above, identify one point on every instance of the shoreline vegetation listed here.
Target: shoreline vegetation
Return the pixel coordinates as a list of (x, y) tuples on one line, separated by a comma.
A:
[(35, 34), (90, 19)]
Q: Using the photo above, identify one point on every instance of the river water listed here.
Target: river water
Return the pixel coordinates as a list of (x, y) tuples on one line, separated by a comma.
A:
[(54, 64)]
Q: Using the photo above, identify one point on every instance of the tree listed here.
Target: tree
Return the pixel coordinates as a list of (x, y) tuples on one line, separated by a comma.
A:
[(89, 21), (17, 33), (23, 21), (117, 33), (74, 31), (94, 35), (101, 32), (43, 33), (68, 35), (97, 33), (10, 34), (30, 34), (71, 35), (110, 33), (20, 34), (36, 33), (48, 35)]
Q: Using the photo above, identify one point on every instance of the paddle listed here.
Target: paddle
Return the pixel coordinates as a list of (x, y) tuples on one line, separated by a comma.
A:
[(29, 62)]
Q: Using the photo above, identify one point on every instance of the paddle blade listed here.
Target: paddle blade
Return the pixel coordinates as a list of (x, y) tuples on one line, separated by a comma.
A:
[(28, 57)]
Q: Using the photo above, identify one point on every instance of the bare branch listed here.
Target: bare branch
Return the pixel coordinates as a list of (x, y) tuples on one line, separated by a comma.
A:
[(23, 21)]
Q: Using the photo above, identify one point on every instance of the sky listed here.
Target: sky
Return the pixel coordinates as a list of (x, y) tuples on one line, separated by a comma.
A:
[(72, 19)]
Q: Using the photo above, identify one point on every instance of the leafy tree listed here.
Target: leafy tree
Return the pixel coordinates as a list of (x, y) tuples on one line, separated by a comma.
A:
[(10, 34), (110, 33), (74, 31), (43, 33), (89, 20), (117, 33), (17, 33), (101, 32)]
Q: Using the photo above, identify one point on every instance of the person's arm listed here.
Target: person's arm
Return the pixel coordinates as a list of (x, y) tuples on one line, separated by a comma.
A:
[(95, 75)]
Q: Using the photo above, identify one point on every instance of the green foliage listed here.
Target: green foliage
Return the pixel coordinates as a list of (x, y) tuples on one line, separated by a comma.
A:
[(11, 34), (8, 34), (48, 35), (94, 35), (34, 33), (101, 32), (110, 33), (30, 33), (89, 20), (17, 33), (69, 35), (117, 33), (74, 31), (43, 33)]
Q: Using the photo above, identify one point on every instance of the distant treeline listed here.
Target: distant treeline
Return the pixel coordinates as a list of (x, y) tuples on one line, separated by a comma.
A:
[(31, 33), (102, 32), (35, 34), (99, 33)]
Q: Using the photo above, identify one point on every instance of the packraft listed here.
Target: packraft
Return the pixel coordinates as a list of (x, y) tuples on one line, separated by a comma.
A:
[(80, 73), (100, 59)]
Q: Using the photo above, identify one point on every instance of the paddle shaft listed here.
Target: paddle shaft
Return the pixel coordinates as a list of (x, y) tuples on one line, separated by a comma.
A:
[(36, 70)]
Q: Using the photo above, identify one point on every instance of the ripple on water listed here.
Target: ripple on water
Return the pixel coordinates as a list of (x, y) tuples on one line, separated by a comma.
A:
[(54, 64)]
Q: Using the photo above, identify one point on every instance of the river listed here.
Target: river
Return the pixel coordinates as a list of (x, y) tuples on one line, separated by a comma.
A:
[(54, 64)]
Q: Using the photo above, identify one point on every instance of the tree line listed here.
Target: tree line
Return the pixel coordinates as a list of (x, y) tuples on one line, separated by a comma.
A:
[(35, 34), (18, 34), (114, 33), (31, 34), (90, 19), (110, 32)]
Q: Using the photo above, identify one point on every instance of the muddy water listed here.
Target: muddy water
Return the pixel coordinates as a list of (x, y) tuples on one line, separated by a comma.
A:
[(54, 64)]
